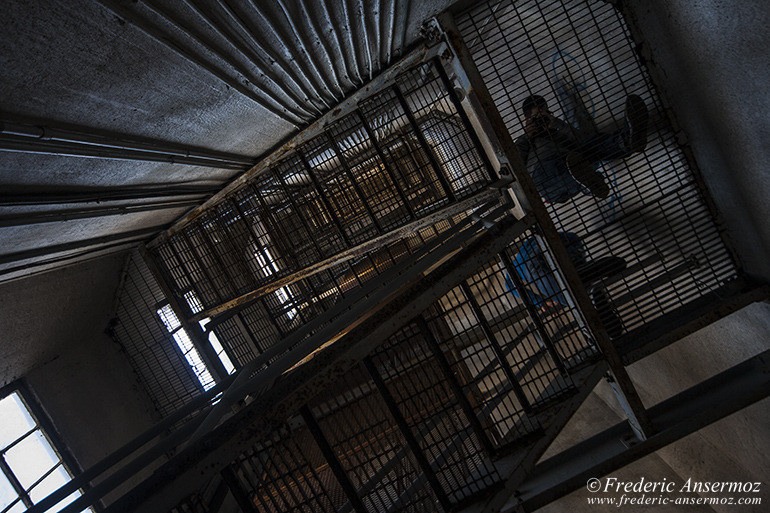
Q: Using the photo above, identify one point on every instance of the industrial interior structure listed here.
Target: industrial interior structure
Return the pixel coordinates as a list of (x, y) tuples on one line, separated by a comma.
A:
[(286, 257)]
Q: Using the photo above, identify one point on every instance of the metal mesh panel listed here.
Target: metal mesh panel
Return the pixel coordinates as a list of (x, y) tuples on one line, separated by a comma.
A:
[(579, 56), (401, 155), (155, 357), (425, 399), (286, 473)]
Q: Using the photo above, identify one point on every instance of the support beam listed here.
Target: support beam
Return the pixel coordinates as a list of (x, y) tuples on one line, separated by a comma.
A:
[(675, 418), (406, 432), (135, 236), (474, 201), (332, 460)]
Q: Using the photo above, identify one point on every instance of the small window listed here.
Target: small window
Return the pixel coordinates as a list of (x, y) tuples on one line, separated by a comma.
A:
[(187, 348), (32, 467)]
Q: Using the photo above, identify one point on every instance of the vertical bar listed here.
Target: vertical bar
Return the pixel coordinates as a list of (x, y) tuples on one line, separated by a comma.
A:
[(411, 441), (331, 459), (194, 331), (496, 347), (198, 262), (466, 122), (324, 198), (456, 387), (250, 228), (385, 164), (424, 143), (223, 269), (346, 166), (532, 310), (241, 497), (268, 215), (298, 212)]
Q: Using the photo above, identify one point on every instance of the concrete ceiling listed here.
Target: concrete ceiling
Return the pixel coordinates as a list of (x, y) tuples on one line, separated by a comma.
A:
[(102, 99)]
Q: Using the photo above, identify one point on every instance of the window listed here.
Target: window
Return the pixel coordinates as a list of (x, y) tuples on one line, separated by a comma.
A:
[(32, 467), (189, 351)]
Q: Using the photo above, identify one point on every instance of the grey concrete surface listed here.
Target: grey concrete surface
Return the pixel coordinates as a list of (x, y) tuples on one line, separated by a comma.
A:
[(710, 57)]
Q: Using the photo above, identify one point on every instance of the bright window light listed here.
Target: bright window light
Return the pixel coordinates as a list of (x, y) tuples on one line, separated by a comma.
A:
[(31, 468), (270, 267), (214, 341), (185, 345)]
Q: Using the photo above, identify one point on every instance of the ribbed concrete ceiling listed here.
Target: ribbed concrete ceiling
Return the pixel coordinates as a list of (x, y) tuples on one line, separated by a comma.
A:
[(119, 116)]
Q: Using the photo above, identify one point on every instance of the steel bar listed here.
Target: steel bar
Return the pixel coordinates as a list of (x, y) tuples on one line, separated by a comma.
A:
[(356, 186), (494, 343), (550, 234), (533, 313), (675, 418), (469, 129), (135, 235), (503, 138), (332, 460), (406, 432), (477, 199), (459, 393), (193, 250), (54, 216), (298, 345), (435, 164), (325, 199), (395, 178)]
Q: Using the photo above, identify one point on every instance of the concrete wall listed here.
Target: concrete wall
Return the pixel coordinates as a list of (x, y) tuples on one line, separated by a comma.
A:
[(53, 336), (733, 449), (710, 58)]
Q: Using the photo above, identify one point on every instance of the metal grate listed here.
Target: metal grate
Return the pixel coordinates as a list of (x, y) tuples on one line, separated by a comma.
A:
[(161, 368), (401, 155), (579, 56)]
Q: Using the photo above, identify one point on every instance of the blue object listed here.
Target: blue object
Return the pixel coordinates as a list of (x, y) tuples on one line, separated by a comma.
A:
[(532, 267)]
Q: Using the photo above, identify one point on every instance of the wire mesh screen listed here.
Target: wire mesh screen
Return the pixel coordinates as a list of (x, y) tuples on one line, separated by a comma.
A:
[(602, 184), (402, 154), (155, 357)]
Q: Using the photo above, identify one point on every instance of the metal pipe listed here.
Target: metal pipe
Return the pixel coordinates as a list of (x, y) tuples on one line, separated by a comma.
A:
[(191, 32), (25, 145), (279, 85), (296, 61), (102, 195), (268, 57), (304, 47), (28, 218), (91, 137), (160, 37), (85, 243)]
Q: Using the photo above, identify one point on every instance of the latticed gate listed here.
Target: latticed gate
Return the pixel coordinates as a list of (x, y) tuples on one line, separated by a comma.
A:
[(410, 324)]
